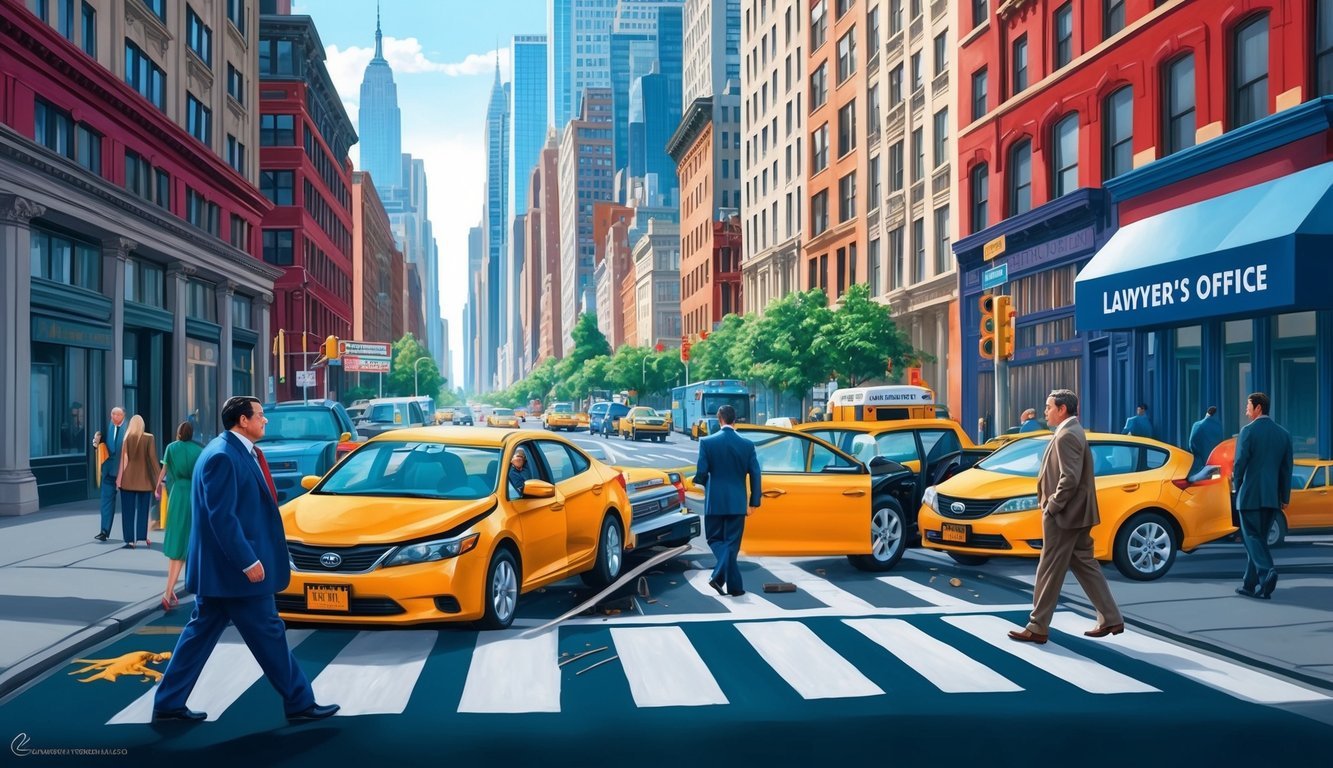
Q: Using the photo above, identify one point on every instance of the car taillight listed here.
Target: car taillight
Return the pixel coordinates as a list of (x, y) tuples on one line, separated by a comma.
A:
[(679, 483), (620, 478)]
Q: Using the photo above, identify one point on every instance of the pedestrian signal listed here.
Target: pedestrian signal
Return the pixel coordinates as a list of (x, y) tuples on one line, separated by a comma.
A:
[(987, 344), (1004, 327), (685, 349)]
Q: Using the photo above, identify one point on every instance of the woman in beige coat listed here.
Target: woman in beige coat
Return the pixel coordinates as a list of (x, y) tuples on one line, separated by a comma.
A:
[(139, 469)]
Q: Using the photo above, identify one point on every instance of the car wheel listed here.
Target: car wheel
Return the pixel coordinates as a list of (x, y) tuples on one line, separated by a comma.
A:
[(501, 591), (966, 559), (1278, 532), (1145, 547), (610, 555), (888, 537)]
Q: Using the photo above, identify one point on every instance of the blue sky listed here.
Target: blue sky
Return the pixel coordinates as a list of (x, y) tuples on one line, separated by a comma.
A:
[(443, 54)]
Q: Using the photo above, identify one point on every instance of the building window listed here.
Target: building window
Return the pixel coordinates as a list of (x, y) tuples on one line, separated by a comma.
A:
[(1065, 169), (873, 267), (979, 88), (846, 56), (873, 111), (941, 137), (980, 189), (873, 41), (278, 186), (88, 148), (145, 76), (918, 250), (1064, 35), (876, 188), (235, 154), (895, 17), (53, 128), (896, 265), (1323, 47), (819, 213), (67, 19), (896, 84), (818, 24), (1118, 132), (277, 130), (1113, 17), (201, 302), (980, 10), (918, 155), (896, 167), (201, 213), (1249, 72), (847, 197), (915, 9), (1019, 62), (40, 9), (199, 36), (242, 369), (275, 57), (1295, 374), (943, 256), (201, 387), (236, 14), (819, 149), (278, 248), (145, 283), (89, 30), (1020, 178), (918, 77), (1178, 93), (64, 260), (158, 7), (818, 87), (198, 119), (847, 128), (142, 179), (842, 7), (941, 53), (239, 235), (235, 84)]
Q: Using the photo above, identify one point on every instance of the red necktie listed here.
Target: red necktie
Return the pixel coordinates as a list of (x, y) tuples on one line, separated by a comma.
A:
[(268, 476)]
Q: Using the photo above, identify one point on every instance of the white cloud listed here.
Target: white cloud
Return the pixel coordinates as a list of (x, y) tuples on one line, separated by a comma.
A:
[(406, 57)]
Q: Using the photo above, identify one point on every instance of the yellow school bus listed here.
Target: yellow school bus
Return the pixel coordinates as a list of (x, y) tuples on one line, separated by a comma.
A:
[(885, 403)]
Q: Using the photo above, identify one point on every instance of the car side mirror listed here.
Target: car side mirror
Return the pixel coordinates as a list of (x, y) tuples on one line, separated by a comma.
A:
[(344, 437), (538, 489), (309, 482), (878, 461)]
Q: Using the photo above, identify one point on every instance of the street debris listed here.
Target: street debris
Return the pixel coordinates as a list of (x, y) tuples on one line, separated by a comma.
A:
[(779, 586), (598, 664), (581, 655)]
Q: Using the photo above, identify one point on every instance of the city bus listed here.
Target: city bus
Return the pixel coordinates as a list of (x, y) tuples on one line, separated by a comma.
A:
[(886, 403), (702, 398)]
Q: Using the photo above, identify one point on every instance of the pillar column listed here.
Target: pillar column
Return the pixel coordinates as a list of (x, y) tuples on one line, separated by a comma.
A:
[(18, 487), (261, 310), (115, 255), (941, 381), (226, 290), (178, 297)]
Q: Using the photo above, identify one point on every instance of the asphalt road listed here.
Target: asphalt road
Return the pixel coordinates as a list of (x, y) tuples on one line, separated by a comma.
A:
[(906, 669), (678, 450)]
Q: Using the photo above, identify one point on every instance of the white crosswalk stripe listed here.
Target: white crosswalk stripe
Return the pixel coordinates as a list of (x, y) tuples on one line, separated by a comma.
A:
[(664, 669), (376, 672), (748, 604), (924, 593), (807, 663), (948, 668), (513, 674), (819, 588)]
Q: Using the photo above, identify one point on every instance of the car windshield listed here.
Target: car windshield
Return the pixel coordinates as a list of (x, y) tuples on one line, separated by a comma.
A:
[(645, 413), (415, 470), (381, 414), (562, 408), (300, 423), (1021, 457), (503, 412)]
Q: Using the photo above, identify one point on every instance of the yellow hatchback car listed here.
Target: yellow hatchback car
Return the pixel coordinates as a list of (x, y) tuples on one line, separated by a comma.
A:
[(644, 422), (502, 417), (1150, 507), (1311, 504), (427, 525), (561, 416)]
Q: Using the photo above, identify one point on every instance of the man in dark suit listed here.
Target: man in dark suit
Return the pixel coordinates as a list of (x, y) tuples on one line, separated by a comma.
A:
[(1067, 495), (1204, 437), (237, 562), (114, 437), (725, 461), (1261, 477), (1138, 424)]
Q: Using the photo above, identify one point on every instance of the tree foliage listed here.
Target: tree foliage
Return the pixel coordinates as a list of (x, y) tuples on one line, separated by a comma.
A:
[(406, 352), (864, 339), (791, 347)]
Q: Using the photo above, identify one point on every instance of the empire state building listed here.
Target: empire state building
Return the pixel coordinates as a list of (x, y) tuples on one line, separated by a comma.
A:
[(380, 120)]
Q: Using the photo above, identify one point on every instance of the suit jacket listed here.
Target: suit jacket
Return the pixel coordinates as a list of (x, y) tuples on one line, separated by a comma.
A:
[(1138, 425), (111, 467), (236, 523), (1204, 437), (725, 461), (1066, 487), (1261, 473), (1031, 425)]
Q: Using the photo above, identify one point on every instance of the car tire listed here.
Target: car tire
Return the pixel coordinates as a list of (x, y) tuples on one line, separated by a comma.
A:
[(1278, 532), (610, 555), (502, 589), (1145, 547), (963, 558), (888, 537)]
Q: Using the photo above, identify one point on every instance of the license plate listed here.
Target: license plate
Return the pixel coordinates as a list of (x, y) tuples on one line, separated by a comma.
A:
[(956, 533), (328, 597)]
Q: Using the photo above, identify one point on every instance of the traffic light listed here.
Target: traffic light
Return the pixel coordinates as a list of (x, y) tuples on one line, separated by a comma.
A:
[(684, 349), (331, 348), (987, 344), (1004, 327), (703, 335), (280, 351)]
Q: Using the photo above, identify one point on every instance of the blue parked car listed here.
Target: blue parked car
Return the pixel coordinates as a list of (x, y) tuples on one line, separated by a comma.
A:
[(603, 416), (302, 439)]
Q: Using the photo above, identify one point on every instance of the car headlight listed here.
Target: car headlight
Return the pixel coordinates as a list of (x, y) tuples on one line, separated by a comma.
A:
[(1019, 504), (928, 499), (430, 551)]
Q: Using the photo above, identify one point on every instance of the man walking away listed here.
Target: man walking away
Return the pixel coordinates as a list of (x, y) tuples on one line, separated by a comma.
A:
[(726, 460), (1030, 423), (112, 439), (1261, 478), (1204, 437), (1138, 424), (1067, 495)]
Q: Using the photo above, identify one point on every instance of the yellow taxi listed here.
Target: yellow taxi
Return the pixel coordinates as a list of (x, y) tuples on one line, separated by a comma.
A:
[(426, 525), (561, 416), (502, 417), (1311, 499), (703, 427), (1000, 441), (444, 415), (906, 441), (642, 421), (520, 413), (1150, 506)]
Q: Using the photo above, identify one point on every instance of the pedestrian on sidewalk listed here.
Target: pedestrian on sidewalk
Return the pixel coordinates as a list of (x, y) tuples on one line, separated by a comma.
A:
[(177, 470), (237, 562), (1139, 424), (108, 451), (1204, 437), (1030, 423), (136, 480), (1067, 496), (725, 461), (1261, 479)]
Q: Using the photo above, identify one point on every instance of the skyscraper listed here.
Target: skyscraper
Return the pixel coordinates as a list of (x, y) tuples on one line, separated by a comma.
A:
[(579, 36), (585, 176), (380, 122), (496, 227), (528, 114)]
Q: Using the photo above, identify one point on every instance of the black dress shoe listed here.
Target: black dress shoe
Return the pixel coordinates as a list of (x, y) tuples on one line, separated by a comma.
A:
[(717, 585), (1267, 586), (314, 712), (737, 593), (1250, 593), (189, 715), (101, 536)]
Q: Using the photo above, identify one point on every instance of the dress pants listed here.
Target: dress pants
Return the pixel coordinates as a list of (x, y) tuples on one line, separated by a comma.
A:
[(256, 618), (134, 515), (1254, 527), (1064, 550), (723, 533), (108, 497)]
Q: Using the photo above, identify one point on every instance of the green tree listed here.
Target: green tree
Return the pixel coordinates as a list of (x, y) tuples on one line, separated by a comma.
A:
[(664, 370), (406, 352), (790, 345), (725, 354), (628, 369), (864, 339)]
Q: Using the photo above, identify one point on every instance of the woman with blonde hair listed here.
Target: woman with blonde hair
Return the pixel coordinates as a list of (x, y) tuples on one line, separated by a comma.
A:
[(177, 471), (139, 469)]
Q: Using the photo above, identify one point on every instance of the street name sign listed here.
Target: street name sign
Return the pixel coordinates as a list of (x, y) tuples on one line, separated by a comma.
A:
[(305, 378), (994, 276), (364, 349)]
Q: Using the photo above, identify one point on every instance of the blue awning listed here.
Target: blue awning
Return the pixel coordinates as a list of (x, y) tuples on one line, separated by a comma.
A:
[(1266, 248)]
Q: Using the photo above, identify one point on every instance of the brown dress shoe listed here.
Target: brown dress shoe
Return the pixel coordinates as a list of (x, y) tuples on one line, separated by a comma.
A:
[(1028, 636), (1109, 629)]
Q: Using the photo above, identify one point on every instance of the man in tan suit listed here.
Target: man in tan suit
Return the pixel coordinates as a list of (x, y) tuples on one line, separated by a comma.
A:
[(1067, 495)]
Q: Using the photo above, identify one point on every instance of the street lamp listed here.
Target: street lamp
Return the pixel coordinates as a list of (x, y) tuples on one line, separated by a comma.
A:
[(416, 369)]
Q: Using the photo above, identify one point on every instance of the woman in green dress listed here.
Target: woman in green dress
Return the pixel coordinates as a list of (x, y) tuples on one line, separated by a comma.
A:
[(177, 469)]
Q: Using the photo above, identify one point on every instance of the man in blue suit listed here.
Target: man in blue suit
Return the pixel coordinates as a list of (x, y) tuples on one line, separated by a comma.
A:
[(1030, 423), (113, 437), (1204, 437), (1261, 477), (725, 461), (237, 562), (1138, 424)]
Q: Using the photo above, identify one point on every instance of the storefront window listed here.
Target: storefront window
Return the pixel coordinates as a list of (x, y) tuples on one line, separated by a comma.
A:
[(1295, 380), (1189, 384), (66, 261), (240, 312), (201, 388), (1238, 373), (242, 370), (59, 392)]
